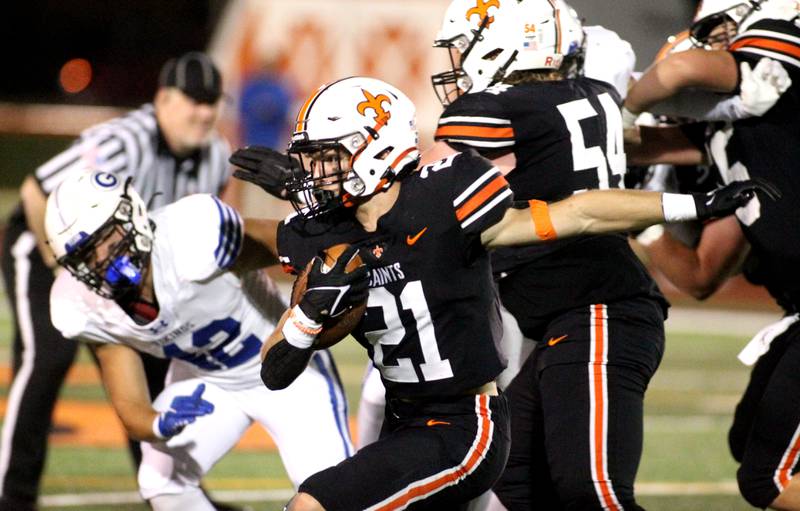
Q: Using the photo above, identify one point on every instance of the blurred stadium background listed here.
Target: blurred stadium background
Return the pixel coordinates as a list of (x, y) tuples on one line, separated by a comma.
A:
[(80, 62)]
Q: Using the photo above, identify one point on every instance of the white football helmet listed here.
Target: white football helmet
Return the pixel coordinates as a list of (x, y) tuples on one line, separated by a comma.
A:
[(743, 13), (489, 39), (86, 210), (352, 138)]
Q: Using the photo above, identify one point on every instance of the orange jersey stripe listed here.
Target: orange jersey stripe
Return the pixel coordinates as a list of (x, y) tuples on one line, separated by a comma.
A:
[(767, 44), (785, 470), (477, 454), (461, 130), (481, 197), (600, 404)]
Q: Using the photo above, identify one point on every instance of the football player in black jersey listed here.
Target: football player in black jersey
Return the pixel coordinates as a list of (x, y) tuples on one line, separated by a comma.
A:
[(517, 95), (767, 420), (431, 323)]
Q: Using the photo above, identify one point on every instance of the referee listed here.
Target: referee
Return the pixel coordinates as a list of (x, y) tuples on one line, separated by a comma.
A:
[(171, 149)]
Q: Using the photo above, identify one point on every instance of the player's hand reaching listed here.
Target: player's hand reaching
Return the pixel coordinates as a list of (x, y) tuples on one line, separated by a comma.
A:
[(266, 168), (762, 86), (725, 200), (330, 293), (183, 411)]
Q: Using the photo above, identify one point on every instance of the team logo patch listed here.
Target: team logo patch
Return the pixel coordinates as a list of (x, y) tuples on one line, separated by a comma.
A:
[(104, 180), (377, 251), (482, 10), (375, 103)]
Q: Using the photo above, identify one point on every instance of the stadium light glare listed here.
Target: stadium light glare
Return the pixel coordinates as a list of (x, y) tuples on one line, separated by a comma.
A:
[(75, 75)]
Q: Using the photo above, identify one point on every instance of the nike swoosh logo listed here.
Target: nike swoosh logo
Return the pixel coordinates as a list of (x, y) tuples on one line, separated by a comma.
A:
[(413, 239), (555, 340), (433, 422)]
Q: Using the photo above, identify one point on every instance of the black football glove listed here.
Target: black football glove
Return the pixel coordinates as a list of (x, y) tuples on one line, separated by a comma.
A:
[(725, 200), (332, 293), (265, 167)]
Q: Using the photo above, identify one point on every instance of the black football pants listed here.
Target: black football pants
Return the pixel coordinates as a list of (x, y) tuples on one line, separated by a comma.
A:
[(765, 435), (576, 409)]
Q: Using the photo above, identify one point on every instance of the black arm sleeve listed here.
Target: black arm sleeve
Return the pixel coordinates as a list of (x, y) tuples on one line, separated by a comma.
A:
[(283, 364)]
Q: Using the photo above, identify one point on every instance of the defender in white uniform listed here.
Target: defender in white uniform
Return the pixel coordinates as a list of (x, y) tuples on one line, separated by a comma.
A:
[(182, 284)]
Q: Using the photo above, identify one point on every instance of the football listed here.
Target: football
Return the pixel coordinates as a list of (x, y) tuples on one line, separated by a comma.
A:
[(333, 329)]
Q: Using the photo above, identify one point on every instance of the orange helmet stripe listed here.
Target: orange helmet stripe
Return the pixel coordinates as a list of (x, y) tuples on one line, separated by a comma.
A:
[(302, 115)]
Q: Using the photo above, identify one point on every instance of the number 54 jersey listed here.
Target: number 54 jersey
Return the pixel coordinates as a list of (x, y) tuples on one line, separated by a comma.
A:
[(432, 321), (209, 320), (566, 136)]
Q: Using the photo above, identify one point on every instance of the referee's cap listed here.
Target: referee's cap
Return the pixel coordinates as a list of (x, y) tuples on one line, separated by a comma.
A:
[(195, 75)]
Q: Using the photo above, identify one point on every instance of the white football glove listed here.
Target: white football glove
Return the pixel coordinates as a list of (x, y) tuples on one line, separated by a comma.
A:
[(762, 86)]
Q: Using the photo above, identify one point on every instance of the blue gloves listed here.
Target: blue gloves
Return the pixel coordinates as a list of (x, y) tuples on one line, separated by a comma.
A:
[(183, 411)]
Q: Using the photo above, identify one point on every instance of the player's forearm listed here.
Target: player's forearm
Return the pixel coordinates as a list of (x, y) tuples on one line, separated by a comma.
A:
[(137, 418), (34, 203), (711, 70), (282, 363), (700, 271), (592, 212), (597, 211), (126, 385), (663, 145), (260, 245)]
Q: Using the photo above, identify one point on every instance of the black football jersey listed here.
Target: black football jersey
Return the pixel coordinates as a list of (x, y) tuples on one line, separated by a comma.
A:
[(768, 147), (566, 136), (432, 322)]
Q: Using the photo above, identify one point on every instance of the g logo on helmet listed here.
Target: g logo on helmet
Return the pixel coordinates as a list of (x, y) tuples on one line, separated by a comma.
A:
[(104, 180)]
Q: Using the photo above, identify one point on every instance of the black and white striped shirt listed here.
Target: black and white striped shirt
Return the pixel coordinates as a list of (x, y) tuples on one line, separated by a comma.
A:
[(132, 145)]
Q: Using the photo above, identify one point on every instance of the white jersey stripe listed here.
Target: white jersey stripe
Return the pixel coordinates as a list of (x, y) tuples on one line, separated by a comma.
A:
[(598, 407), (481, 143), (771, 54), (489, 174), (132, 144), (474, 120), (768, 33), (485, 209), (20, 251), (230, 235)]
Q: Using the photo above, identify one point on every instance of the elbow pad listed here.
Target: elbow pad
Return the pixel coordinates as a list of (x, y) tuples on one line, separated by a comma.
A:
[(283, 364)]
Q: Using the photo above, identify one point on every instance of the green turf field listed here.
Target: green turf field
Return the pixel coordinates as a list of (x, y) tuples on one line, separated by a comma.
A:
[(686, 465)]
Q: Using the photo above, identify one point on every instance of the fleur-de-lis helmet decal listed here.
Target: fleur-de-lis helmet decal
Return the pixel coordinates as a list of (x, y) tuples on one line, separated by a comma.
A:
[(481, 8), (375, 103)]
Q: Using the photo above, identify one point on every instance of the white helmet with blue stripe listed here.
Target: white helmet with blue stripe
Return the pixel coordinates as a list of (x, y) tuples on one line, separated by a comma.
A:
[(84, 212)]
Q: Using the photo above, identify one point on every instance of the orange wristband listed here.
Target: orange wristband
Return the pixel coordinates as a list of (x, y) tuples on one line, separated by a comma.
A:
[(540, 214)]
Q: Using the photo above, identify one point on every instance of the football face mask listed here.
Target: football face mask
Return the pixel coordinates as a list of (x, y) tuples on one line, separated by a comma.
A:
[(717, 22), (109, 261), (352, 138), (449, 85), (325, 166)]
